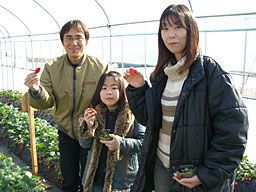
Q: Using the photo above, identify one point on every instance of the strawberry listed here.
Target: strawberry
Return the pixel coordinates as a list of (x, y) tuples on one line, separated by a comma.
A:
[(57, 167), (91, 110), (50, 165), (132, 71), (37, 70)]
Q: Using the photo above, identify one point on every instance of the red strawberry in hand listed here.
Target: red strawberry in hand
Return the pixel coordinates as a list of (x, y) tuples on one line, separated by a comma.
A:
[(92, 111), (37, 70), (132, 71)]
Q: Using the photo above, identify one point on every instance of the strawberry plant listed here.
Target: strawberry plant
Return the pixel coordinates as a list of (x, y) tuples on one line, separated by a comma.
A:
[(104, 135), (16, 178), (14, 126), (11, 97), (245, 176), (185, 171), (15, 95), (246, 171)]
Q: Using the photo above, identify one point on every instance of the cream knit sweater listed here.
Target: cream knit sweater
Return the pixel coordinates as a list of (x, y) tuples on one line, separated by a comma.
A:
[(169, 101)]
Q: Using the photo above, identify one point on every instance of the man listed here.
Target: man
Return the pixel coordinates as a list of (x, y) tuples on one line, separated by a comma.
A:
[(67, 84)]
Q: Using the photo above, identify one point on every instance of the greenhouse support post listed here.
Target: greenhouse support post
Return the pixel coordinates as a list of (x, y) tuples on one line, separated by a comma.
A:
[(32, 136)]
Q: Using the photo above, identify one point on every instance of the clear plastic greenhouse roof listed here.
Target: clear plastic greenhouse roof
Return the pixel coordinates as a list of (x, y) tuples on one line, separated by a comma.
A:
[(33, 17)]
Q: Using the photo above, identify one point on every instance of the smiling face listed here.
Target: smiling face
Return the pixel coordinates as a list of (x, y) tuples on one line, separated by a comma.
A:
[(174, 37), (74, 42), (109, 93)]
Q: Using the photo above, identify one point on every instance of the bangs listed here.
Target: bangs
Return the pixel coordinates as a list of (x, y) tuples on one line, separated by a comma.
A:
[(115, 79), (172, 18), (115, 76)]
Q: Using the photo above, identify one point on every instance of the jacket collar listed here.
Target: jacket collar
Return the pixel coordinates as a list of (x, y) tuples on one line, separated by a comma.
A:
[(81, 63), (196, 72)]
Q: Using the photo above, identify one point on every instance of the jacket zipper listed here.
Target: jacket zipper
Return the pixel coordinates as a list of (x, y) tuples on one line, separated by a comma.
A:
[(74, 101)]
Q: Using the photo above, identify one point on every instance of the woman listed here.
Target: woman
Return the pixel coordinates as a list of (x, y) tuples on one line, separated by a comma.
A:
[(196, 120)]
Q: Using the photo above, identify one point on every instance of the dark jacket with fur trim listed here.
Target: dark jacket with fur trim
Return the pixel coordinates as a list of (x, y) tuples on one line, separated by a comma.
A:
[(122, 165)]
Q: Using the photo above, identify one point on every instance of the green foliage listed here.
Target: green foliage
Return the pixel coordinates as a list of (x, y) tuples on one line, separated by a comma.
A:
[(11, 94), (15, 178), (246, 171), (15, 124), (104, 135), (185, 171)]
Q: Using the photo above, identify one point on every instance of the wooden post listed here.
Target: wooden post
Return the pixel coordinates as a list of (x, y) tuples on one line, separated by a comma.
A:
[(24, 101), (32, 136)]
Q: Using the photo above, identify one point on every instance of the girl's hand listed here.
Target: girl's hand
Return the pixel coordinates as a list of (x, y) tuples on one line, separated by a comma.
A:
[(89, 116), (188, 182), (32, 81), (112, 144), (134, 78)]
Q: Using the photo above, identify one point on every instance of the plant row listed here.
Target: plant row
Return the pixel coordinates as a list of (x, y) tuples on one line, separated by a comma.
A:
[(16, 178), (13, 98), (15, 124), (14, 128)]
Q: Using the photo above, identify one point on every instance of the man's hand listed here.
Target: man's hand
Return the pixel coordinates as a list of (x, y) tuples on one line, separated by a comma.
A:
[(32, 81)]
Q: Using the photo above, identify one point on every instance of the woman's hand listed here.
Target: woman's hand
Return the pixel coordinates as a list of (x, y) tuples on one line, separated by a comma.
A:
[(32, 81), (89, 116), (113, 144), (134, 78), (188, 182)]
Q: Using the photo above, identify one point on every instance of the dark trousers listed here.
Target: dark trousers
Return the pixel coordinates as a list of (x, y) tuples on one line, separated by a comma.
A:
[(72, 163), (161, 177)]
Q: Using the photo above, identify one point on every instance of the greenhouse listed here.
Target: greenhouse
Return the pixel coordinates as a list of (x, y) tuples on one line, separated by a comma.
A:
[(123, 34)]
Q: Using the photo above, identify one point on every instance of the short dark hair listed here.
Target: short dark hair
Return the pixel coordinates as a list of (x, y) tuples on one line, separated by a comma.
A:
[(77, 24), (121, 86), (182, 15)]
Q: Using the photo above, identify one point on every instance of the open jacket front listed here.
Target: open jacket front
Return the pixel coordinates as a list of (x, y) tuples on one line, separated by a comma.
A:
[(69, 90), (122, 164), (209, 128)]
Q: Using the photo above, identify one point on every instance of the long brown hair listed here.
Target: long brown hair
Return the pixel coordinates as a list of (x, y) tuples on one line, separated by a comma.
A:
[(181, 15), (121, 86)]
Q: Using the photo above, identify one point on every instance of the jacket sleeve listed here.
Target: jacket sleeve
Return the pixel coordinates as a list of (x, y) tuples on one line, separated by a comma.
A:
[(137, 102), (85, 137), (133, 143), (229, 131), (44, 98)]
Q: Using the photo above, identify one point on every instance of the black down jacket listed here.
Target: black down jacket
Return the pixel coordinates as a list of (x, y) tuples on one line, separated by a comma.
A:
[(209, 129)]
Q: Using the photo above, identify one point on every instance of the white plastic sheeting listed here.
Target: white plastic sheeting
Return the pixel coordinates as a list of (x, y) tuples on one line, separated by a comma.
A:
[(30, 17), (123, 32)]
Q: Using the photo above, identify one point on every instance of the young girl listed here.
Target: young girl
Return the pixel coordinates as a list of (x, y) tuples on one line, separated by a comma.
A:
[(113, 159)]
